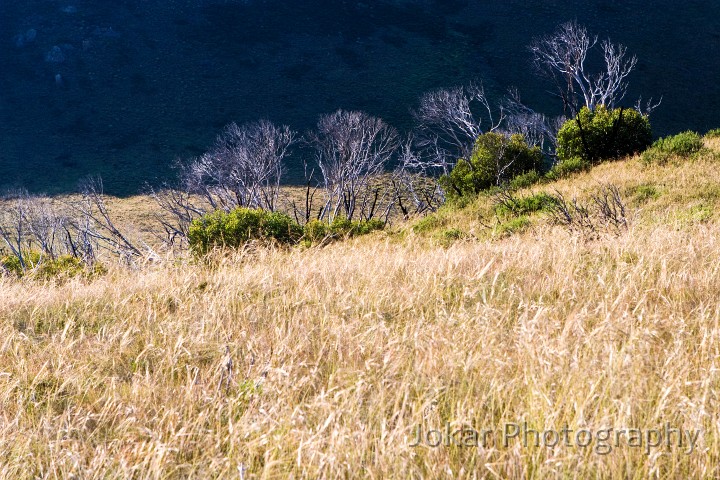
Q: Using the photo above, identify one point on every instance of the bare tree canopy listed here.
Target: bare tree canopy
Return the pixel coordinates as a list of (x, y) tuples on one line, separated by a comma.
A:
[(536, 128), (563, 57), (244, 167), (352, 149), (38, 227), (450, 120)]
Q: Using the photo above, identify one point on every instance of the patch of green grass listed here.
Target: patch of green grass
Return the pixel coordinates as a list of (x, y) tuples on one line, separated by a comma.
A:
[(700, 213), (518, 206), (645, 193), (714, 133), (430, 223), (525, 180), (515, 225), (683, 145), (565, 168)]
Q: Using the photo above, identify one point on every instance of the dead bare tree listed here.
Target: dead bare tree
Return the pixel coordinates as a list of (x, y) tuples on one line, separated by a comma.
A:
[(562, 57), (244, 167), (415, 184), (96, 229), (304, 213), (14, 229), (352, 149), (178, 210), (606, 213), (45, 224), (39, 228), (537, 129), (450, 120)]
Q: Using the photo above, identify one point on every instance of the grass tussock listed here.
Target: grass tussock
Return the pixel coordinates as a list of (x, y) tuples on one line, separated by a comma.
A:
[(323, 362)]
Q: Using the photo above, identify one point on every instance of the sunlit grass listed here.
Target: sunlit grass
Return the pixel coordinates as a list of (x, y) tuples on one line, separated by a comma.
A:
[(339, 353)]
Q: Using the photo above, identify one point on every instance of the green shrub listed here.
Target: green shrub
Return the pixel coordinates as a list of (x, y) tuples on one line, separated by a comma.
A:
[(567, 167), (510, 205), (603, 134), (516, 225), (316, 231), (495, 159), (453, 234), (44, 267), (525, 180), (63, 266), (239, 226), (368, 226), (429, 223), (11, 263), (450, 236), (682, 145), (343, 227), (714, 133)]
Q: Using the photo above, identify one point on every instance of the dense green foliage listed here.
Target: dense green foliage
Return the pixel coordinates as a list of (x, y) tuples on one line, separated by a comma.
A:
[(11, 263), (44, 267), (525, 180), (603, 134), (714, 133), (512, 205), (496, 158), (567, 167), (318, 231), (237, 227), (682, 145)]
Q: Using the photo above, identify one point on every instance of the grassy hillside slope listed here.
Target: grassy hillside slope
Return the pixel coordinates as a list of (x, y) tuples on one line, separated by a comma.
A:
[(339, 353)]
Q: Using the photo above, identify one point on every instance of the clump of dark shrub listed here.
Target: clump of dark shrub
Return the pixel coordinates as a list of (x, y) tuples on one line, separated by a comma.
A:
[(43, 267), (683, 145), (603, 134), (495, 159), (525, 180), (317, 231), (567, 167), (605, 213), (235, 228), (507, 203)]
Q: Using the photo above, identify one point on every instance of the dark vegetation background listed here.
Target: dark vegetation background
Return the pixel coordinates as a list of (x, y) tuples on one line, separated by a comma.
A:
[(144, 82)]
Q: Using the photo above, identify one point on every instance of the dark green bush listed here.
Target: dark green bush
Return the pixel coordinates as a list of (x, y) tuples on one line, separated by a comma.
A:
[(565, 168), (525, 180), (342, 227), (316, 231), (512, 205), (44, 267), (495, 159), (682, 145), (237, 227), (515, 225), (604, 134), (11, 264)]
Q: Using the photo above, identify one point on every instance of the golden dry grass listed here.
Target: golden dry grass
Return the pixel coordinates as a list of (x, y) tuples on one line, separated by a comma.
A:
[(339, 353)]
